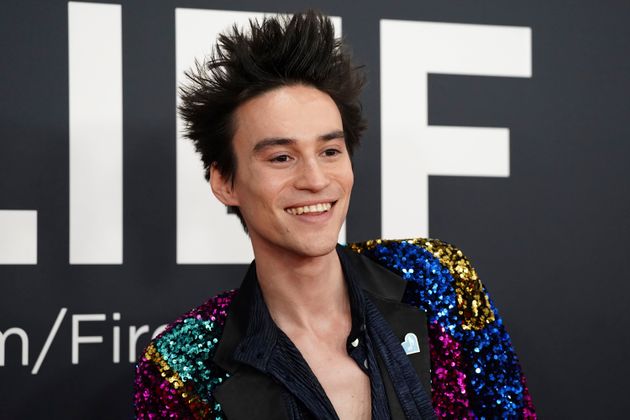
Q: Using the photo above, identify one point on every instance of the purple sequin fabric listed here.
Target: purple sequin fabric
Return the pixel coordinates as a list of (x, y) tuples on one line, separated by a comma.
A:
[(475, 372)]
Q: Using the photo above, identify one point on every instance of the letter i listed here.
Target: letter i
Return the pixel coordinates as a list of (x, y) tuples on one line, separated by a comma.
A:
[(116, 338)]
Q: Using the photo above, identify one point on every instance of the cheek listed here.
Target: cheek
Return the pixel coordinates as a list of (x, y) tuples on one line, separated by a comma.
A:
[(347, 176), (351, 178), (263, 193), (252, 188)]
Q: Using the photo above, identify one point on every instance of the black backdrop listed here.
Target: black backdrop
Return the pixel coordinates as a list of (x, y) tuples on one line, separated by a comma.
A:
[(549, 241)]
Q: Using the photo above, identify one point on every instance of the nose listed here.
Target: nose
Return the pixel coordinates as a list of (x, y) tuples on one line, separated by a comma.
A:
[(312, 176)]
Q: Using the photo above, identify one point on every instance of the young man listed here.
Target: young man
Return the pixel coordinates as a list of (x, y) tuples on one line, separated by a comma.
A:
[(317, 330)]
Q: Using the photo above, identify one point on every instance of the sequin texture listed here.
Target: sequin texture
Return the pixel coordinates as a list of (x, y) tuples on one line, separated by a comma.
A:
[(475, 372), (472, 303), (175, 376)]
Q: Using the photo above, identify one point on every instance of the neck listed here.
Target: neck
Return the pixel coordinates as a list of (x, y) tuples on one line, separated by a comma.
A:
[(300, 292)]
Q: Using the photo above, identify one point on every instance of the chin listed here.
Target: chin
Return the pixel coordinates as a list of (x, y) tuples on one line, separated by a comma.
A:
[(321, 251), (318, 247)]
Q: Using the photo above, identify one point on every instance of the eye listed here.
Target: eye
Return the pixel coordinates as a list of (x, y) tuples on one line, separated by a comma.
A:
[(280, 158), (331, 152)]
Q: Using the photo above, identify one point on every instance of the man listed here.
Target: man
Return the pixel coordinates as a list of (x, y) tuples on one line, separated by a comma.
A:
[(317, 330)]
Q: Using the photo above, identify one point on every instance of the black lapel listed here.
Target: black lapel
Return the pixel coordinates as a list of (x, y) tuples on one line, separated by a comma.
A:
[(250, 394), (247, 393), (408, 324), (386, 289)]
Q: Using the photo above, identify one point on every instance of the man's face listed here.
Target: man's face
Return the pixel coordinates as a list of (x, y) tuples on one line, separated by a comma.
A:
[(294, 177)]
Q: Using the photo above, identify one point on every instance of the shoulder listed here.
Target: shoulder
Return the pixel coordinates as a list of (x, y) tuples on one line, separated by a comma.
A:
[(399, 254), (439, 273), (208, 317), (175, 374), (475, 371)]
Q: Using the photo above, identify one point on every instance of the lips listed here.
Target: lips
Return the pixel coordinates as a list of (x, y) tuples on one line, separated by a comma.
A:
[(311, 208)]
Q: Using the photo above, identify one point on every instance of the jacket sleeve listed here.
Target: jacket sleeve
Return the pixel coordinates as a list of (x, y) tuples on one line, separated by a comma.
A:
[(475, 372), (158, 391), (175, 377)]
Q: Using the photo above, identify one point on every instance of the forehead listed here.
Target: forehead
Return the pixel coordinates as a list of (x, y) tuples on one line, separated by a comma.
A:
[(297, 112)]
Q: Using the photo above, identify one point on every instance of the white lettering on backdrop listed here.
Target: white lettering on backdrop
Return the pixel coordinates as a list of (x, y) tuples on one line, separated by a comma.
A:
[(411, 150)]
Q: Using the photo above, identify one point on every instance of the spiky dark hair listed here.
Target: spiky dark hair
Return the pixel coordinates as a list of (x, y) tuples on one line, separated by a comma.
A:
[(276, 51)]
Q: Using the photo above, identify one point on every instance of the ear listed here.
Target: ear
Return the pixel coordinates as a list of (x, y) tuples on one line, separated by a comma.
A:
[(222, 187)]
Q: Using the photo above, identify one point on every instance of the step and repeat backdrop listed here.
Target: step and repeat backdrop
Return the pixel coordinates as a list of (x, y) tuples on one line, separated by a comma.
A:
[(499, 126)]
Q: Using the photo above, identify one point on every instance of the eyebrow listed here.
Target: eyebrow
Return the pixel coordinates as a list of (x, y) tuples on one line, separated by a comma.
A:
[(282, 141)]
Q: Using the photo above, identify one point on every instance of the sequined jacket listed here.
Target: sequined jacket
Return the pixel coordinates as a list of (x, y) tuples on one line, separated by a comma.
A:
[(422, 286)]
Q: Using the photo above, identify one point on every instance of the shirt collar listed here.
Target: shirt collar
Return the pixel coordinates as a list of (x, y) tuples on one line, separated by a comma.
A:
[(250, 334), (356, 296), (260, 332)]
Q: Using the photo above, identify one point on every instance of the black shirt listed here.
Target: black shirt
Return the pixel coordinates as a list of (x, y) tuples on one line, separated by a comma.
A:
[(266, 348)]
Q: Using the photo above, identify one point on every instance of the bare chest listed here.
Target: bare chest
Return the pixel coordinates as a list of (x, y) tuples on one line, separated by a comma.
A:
[(346, 385)]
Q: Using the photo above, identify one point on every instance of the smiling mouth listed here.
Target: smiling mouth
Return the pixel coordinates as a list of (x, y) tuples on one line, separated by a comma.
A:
[(313, 208)]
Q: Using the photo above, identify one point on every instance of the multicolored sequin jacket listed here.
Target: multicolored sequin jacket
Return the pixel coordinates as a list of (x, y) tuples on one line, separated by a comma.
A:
[(186, 371)]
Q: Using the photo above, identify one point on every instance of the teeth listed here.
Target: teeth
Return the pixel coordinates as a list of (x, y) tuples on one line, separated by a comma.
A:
[(319, 207)]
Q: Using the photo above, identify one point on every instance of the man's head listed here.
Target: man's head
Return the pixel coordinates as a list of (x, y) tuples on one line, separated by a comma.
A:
[(276, 52)]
